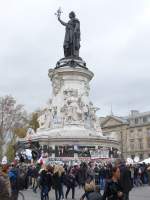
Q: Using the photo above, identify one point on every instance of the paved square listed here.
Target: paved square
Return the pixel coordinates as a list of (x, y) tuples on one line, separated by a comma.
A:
[(140, 193)]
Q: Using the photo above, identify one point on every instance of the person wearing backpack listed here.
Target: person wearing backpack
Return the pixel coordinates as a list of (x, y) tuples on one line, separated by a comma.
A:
[(88, 188), (125, 180), (13, 177), (71, 183), (45, 182), (57, 181)]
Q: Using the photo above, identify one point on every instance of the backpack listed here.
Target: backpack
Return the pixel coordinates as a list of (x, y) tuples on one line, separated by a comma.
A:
[(89, 186), (22, 180), (13, 180), (18, 180)]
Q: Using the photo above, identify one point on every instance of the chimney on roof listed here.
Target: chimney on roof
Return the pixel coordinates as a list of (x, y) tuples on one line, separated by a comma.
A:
[(134, 113)]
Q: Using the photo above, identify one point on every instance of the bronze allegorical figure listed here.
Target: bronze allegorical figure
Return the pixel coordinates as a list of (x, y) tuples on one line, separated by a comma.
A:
[(72, 35)]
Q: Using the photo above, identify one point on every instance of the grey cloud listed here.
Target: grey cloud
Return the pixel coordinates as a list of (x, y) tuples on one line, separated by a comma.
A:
[(115, 45)]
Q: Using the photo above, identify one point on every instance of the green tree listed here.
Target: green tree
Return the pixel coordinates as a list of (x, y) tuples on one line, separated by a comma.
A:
[(20, 132), (12, 116), (34, 124), (10, 153)]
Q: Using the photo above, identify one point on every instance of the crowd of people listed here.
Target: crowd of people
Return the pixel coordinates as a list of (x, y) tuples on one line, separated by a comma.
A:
[(96, 181)]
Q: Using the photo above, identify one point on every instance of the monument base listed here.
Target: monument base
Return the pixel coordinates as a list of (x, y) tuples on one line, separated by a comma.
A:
[(69, 126), (72, 62)]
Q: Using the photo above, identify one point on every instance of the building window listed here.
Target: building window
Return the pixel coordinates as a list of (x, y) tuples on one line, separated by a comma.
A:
[(145, 119), (148, 142), (131, 145), (132, 121), (131, 133), (139, 133), (140, 143), (148, 132), (132, 156), (141, 156), (136, 120)]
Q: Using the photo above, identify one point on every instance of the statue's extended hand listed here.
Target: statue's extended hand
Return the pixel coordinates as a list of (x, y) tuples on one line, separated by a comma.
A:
[(58, 13)]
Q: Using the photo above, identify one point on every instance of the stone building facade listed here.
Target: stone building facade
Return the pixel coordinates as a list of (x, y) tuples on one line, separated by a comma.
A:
[(132, 132)]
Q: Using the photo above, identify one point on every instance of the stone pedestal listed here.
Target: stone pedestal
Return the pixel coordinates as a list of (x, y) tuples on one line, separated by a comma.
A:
[(70, 113), (70, 117)]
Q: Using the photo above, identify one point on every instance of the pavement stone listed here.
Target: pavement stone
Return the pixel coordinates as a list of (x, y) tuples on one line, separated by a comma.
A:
[(139, 193)]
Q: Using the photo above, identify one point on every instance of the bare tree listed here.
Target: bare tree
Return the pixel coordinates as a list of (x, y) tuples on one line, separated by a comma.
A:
[(12, 115)]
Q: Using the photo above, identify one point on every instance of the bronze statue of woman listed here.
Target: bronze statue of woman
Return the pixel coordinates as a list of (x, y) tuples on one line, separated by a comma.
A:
[(72, 35)]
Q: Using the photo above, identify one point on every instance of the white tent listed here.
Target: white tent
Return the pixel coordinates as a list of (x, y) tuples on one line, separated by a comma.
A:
[(147, 161), (129, 161)]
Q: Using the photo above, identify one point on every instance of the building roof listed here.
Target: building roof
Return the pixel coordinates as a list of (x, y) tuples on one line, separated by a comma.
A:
[(122, 120), (139, 114), (125, 119)]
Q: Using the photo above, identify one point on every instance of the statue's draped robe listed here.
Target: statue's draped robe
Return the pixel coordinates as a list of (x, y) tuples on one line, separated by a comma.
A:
[(72, 38)]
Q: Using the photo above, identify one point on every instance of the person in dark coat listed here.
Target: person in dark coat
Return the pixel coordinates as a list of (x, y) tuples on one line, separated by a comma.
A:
[(88, 188), (102, 177), (83, 174), (113, 189), (58, 176), (70, 183), (148, 173), (29, 175), (45, 183), (13, 176), (125, 180), (96, 171), (35, 174)]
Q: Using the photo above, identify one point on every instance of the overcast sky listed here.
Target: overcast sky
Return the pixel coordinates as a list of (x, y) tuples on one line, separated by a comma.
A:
[(115, 43)]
